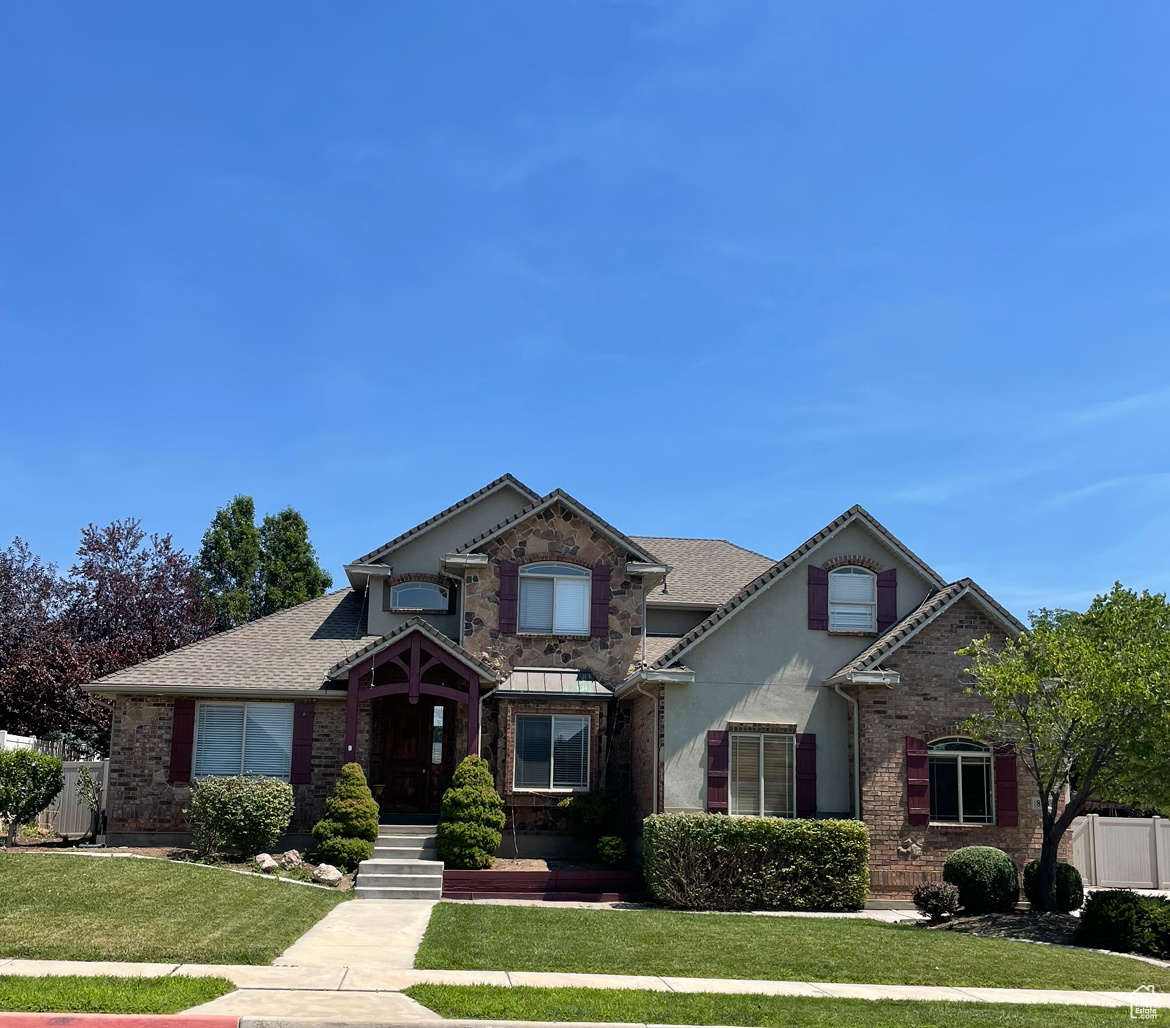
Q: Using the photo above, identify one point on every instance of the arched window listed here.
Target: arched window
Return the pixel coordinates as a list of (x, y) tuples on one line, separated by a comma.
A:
[(418, 596), (960, 781), (852, 600), (554, 599)]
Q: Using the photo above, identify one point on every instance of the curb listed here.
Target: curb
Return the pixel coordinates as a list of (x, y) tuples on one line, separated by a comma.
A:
[(12, 1020)]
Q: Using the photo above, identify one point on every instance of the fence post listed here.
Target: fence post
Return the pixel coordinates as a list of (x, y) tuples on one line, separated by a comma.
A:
[(1093, 862), (1156, 871)]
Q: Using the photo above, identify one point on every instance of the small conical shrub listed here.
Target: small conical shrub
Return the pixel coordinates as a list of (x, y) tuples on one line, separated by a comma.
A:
[(346, 835), (470, 817)]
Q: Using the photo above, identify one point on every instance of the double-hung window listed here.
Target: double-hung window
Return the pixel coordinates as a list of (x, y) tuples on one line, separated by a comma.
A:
[(960, 782), (552, 752), (763, 775), (852, 600), (554, 599), (244, 739)]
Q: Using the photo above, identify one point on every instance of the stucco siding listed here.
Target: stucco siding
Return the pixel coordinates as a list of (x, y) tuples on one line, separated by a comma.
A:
[(765, 665)]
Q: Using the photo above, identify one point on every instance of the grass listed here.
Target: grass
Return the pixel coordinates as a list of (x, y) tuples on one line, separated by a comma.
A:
[(88, 908), (665, 942), (104, 995), (644, 1007)]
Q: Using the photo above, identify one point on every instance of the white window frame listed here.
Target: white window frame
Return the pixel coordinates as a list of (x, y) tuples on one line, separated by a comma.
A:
[(961, 757), (243, 735), (446, 593), (853, 570), (578, 574), (759, 736), (552, 771)]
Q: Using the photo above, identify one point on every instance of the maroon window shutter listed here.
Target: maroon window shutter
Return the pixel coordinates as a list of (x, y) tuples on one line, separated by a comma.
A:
[(818, 599), (509, 596), (1007, 798), (917, 782), (717, 761), (887, 599), (302, 743), (182, 740), (599, 605), (806, 775)]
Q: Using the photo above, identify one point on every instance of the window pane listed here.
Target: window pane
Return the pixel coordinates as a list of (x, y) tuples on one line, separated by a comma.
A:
[(219, 739), (572, 607), (850, 585), (976, 781), (850, 618), (536, 605), (570, 752), (418, 596), (745, 774), (958, 745), (268, 740), (778, 776), (533, 752), (944, 789), (572, 570)]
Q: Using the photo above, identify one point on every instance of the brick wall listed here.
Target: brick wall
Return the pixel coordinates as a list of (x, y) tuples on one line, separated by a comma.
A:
[(928, 703)]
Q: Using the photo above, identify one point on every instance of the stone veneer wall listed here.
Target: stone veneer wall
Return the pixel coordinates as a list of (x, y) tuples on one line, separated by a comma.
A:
[(927, 704), (142, 801), (557, 533)]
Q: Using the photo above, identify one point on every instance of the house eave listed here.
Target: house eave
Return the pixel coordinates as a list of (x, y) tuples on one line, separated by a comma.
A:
[(651, 676), (865, 678), (226, 691)]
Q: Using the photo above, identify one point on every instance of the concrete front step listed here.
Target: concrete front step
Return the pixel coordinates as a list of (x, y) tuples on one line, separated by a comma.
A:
[(378, 893), (401, 881), (403, 830), (379, 866), (404, 853)]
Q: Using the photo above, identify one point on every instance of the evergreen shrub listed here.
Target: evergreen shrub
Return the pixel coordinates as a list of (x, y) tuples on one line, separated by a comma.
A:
[(1070, 893), (986, 878), (346, 834), (471, 816), (1125, 922)]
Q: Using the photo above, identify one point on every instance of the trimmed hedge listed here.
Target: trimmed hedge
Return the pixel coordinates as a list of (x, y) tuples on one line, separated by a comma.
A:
[(715, 862), (237, 812), (1070, 893), (986, 878), (1126, 922), (471, 815)]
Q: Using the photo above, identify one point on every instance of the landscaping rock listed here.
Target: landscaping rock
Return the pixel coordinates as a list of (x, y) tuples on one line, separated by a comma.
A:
[(327, 874), (290, 858), (265, 862)]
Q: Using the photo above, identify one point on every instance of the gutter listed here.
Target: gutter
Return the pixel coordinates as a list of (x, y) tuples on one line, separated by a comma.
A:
[(669, 676), (216, 690), (887, 678)]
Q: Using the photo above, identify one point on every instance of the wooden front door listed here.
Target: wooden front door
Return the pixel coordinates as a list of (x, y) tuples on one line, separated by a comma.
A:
[(416, 754)]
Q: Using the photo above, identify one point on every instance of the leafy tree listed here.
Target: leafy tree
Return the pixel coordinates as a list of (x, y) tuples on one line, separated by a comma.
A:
[(289, 572), (229, 562), (28, 783), (1085, 699)]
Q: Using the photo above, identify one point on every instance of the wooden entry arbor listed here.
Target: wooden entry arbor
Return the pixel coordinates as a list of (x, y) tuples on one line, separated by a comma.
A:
[(411, 655)]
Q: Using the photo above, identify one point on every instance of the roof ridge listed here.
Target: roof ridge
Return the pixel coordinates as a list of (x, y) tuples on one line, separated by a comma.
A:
[(222, 635), (704, 539), (422, 526)]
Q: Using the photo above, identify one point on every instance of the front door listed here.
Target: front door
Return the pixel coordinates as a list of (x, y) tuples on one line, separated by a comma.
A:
[(416, 754)]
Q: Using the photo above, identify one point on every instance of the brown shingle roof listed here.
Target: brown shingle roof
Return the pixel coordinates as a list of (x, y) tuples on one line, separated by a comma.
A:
[(704, 572), (289, 650), (375, 556), (923, 615), (657, 645)]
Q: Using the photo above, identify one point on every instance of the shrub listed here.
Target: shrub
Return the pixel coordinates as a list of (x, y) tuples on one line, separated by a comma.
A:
[(611, 849), (936, 900), (471, 815), (1123, 921), (1070, 894), (238, 813), (591, 815), (986, 878), (714, 862), (28, 783), (346, 834)]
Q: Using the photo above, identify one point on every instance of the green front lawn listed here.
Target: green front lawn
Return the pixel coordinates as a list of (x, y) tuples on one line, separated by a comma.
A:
[(102, 995), (642, 1007), (110, 908), (666, 942)]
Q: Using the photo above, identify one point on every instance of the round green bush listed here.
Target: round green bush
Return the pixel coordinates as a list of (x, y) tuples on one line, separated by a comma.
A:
[(471, 815), (1070, 893), (611, 849), (238, 813), (986, 878), (1125, 922), (344, 852)]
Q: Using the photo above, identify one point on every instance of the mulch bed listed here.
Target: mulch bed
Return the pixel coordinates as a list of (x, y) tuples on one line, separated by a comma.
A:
[(1057, 929), (540, 864)]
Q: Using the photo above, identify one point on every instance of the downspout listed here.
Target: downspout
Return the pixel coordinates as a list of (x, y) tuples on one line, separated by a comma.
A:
[(856, 749), (654, 697)]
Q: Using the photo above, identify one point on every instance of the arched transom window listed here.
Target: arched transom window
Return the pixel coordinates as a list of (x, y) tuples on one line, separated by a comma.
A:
[(852, 600), (960, 781), (418, 596), (554, 599)]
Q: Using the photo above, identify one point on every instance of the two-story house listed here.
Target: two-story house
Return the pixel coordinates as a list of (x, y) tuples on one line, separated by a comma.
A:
[(680, 674)]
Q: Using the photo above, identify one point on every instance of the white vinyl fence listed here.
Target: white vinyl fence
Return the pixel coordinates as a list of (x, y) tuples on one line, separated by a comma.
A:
[(10, 741), (1122, 852), (68, 814)]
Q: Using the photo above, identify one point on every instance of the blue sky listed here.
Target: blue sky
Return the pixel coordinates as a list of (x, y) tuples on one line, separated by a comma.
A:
[(718, 269)]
